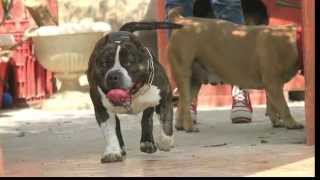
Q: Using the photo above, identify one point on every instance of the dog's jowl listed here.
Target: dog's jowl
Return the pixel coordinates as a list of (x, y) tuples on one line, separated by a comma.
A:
[(125, 78)]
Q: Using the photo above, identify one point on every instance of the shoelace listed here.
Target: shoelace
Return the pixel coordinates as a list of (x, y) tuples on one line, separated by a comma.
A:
[(240, 99), (238, 95)]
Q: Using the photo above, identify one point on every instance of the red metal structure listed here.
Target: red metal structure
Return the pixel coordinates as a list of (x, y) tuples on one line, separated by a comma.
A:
[(308, 13), (31, 82), (300, 12)]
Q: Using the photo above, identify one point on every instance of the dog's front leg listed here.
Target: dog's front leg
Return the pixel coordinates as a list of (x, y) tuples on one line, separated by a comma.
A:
[(110, 127), (165, 113), (111, 131), (147, 144), (120, 138), (276, 97), (185, 100), (273, 115), (181, 66)]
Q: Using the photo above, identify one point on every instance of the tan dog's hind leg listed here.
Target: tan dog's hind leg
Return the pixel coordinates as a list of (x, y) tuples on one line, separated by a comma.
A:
[(273, 115), (276, 97)]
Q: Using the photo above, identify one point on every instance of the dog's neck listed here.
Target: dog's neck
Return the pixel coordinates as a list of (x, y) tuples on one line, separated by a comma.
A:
[(141, 88)]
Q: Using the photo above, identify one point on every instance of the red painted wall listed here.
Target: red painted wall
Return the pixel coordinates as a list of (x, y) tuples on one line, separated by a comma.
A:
[(283, 15), (279, 15)]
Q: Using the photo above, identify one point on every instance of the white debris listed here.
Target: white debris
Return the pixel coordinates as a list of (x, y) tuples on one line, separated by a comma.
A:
[(71, 28)]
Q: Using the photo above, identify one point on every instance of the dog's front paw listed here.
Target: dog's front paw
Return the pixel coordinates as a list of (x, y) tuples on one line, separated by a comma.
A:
[(179, 127), (123, 151), (278, 124), (192, 129), (148, 147), (165, 143), (294, 125), (112, 157)]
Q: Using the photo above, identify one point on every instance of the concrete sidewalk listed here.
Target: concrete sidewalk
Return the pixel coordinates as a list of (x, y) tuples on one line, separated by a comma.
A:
[(39, 143)]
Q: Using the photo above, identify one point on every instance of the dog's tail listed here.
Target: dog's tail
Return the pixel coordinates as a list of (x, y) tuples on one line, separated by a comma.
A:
[(141, 26)]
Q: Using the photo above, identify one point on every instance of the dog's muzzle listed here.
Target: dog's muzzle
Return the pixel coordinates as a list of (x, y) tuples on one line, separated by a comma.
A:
[(115, 80)]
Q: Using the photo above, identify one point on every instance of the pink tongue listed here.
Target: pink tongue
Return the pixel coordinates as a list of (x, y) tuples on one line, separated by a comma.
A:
[(118, 96)]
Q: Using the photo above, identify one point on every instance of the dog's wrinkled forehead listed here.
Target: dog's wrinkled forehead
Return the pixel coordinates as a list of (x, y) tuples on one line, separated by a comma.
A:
[(119, 37), (115, 39)]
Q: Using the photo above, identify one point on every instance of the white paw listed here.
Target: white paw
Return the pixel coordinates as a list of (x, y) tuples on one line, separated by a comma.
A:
[(148, 147), (108, 158), (165, 142)]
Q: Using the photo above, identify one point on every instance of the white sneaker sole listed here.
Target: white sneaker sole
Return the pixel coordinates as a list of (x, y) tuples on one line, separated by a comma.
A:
[(241, 115)]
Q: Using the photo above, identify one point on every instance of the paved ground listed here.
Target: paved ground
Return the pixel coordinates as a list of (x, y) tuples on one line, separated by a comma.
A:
[(39, 143)]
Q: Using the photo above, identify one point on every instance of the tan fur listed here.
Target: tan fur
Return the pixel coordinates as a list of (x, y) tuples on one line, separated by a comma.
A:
[(252, 57)]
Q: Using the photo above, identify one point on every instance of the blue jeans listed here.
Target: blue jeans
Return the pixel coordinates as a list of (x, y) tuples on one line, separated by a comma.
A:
[(230, 10), (187, 6)]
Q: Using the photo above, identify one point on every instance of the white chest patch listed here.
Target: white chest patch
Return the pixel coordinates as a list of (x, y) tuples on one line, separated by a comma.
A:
[(149, 98)]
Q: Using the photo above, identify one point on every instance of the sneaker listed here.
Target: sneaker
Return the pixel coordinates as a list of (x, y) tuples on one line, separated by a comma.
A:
[(175, 97), (193, 110), (241, 111)]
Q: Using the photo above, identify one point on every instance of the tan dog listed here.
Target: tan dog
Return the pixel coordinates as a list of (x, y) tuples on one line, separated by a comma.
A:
[(252, 57)]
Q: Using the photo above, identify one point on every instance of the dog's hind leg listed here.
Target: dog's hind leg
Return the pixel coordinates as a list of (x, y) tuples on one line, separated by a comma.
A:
[(184, 118), (147, 144), (276, 97), (165, 114), (273, 115)]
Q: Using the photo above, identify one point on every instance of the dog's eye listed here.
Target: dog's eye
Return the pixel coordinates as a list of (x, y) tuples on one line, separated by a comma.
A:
[(130, 61), (106, 64), (127, 63)]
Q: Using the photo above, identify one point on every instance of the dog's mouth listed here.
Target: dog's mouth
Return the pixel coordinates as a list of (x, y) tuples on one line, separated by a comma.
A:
[(122, 97), (119, 97)]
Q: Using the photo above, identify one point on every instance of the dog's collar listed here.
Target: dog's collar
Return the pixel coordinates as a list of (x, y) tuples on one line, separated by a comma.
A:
[(150, 68)]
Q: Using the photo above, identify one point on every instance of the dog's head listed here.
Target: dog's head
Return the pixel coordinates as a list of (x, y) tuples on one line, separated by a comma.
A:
[(122, 66)]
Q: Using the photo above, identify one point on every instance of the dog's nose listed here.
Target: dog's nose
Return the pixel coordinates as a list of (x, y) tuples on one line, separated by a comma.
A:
[(114, 79)]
